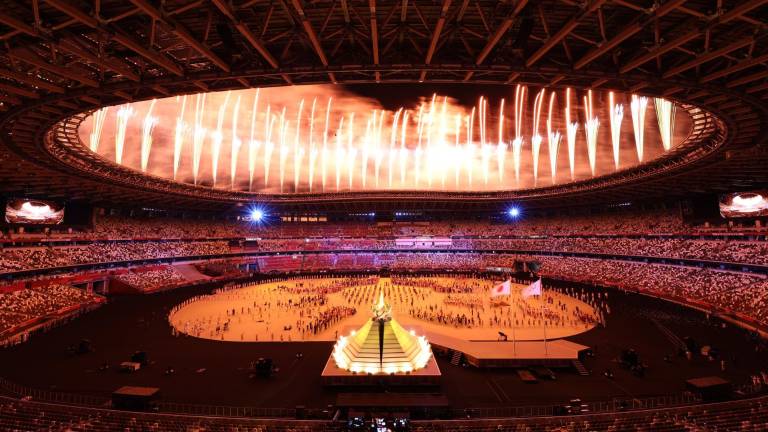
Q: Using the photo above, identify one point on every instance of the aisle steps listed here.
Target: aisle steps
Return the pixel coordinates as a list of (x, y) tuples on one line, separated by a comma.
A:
[(580, 368), (456, 358)]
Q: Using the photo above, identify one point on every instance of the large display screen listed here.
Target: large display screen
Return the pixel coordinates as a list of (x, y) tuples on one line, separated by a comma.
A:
[(32, 211), (744, 204)]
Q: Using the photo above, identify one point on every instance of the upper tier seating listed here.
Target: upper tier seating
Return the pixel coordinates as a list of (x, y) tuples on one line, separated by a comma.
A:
[(744, 415)]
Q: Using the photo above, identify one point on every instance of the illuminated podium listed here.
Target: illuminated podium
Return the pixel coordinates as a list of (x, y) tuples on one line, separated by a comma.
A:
[(381, 351)]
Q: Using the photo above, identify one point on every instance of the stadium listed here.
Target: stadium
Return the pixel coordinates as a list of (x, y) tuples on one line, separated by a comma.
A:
[(392, 215)]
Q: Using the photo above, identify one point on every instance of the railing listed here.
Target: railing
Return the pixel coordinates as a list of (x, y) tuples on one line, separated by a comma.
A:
[(584, 407), (690, 262), (226, 411), (63, 398), (587, 407)]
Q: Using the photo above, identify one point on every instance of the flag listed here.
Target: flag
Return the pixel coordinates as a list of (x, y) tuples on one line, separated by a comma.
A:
[(502, 289), (533, 289)]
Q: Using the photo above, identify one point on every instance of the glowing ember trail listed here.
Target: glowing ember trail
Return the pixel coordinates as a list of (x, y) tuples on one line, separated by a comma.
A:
[(123, 115), (178, 137), (217, 138), (553, 140), (665, 114), (638, 107), (269, 146), (283, 131), (417, 152), (616, 116), (485, 151), (339, 153), (403, 149), (253, 144), (456, 157), (375, 142), (235, 145), (313, 152), (570, 134), (517, 143), (470, 144), (430, 151), (324, 160), (536, 138), (351, 150), (198, 136), (298, 149), (501, 147), (591, 128), (146, 135), (392, 141), (98, 126)]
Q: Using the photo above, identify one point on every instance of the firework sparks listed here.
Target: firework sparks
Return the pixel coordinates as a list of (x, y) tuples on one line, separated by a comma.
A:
[(98, 127), (665, 114), (616, 116)]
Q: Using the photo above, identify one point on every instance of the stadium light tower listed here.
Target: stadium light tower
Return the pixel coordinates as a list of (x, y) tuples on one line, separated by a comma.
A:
[(257, 215)]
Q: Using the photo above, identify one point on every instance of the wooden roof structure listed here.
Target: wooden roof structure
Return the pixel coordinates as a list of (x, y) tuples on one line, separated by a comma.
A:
[(62, 58)]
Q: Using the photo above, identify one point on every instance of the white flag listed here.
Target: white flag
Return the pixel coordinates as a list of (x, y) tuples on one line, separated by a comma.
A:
[(502, 289), (533, 289)]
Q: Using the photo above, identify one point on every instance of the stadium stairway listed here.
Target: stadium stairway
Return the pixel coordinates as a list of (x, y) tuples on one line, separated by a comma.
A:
[(456, 358), (669, 334), (580, 368), (190, 273)]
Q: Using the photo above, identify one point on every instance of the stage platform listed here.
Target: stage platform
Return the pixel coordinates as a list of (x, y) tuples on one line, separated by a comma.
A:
[(482, 354), (333, 376)]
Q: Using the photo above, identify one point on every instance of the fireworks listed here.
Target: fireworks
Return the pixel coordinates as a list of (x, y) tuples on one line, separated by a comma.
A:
[(553, 140), (665, 114), (434, 144), (198, 136), (570, 132), (235, 146), (638, 107), (253, 144), (590, 128), (146, 136), (517, 143), (217, 137), (98, 126), (616, 116), (536, 139), (123, 115), (178, 137)]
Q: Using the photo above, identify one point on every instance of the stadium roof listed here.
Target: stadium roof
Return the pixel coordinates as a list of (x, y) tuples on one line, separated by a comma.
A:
[(65, 57)]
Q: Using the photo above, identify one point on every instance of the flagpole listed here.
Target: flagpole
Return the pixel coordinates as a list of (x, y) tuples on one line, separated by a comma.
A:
[(514, 317), (543, 318)]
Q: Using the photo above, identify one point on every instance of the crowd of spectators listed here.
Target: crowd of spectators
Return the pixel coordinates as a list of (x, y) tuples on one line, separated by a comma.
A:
[(152, 279), (666, 221), (374, 245), (28, 258), (23, 305), (729, 291), (738, 415), (734, 251), (746, 293), (658, 233)]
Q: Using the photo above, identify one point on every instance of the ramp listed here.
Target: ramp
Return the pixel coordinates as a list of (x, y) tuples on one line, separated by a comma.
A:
[(190, 273)]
